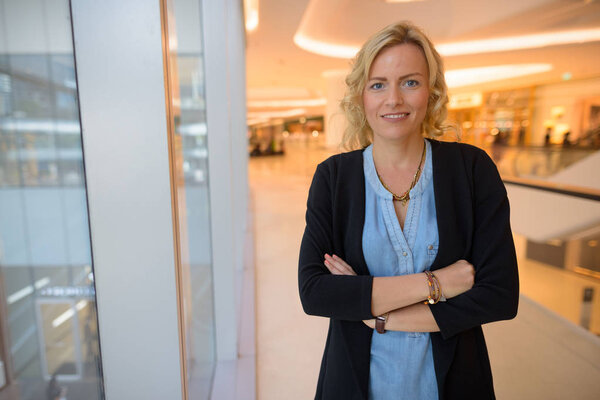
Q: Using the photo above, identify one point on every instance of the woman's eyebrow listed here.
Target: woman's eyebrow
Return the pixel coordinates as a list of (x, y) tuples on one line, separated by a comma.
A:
[(378, 78)]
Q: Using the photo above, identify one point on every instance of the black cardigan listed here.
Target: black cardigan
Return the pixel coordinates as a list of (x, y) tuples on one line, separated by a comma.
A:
[(473, 222)]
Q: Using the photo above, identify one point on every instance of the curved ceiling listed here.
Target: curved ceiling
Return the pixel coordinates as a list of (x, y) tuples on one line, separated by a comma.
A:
[(276, 64)]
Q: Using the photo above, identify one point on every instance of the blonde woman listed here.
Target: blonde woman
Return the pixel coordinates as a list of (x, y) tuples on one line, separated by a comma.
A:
[(407, 247)]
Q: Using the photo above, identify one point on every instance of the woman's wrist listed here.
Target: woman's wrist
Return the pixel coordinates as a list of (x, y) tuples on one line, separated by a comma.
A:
[(380, 322), (435, 289)]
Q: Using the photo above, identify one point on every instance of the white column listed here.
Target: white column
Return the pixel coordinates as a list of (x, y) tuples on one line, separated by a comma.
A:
[(119, 55), (239, 140)]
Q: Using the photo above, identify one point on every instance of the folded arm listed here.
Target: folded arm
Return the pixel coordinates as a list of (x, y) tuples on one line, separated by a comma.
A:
[(345, 296), (413, 318), (495, 294), (321, 293)]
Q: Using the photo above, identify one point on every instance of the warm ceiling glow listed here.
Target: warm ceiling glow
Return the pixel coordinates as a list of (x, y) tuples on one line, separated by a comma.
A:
[(256, 121), (287, 103), (472, 76), (324, 48), (251, 11), (465, 47), (519, 42), (276, 114)]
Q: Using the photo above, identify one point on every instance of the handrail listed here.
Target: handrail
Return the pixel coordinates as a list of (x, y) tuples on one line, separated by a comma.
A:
[(569, 190)]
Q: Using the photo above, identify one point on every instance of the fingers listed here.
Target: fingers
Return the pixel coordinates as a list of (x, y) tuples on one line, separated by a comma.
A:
[(467, 269), (337, 266), (456, 278), (467, 265)]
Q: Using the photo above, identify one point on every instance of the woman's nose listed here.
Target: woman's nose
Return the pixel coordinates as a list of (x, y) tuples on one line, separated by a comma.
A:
[(394, 97)]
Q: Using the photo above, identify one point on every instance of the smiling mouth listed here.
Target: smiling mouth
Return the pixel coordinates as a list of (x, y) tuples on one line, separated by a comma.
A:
[(395, 115)]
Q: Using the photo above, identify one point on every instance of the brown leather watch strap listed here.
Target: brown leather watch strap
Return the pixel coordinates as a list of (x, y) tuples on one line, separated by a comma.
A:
[(380, 323)]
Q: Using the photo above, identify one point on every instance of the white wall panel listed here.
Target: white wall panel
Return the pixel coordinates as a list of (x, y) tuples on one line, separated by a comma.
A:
[(122, 98)]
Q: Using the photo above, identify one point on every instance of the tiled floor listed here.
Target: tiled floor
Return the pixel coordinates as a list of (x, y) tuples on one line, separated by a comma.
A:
[(289, 342), (539, 355)]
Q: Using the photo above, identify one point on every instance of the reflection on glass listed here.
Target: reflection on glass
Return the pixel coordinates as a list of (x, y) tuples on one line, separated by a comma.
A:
[(58, 337), (188, 114), (48, 325)]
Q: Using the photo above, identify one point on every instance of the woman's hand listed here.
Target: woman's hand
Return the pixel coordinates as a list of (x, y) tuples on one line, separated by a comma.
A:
[(456, 278), (337, 266), (370, 323)]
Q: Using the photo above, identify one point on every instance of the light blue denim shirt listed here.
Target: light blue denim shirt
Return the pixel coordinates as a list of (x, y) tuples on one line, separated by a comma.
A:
[(401, 362)]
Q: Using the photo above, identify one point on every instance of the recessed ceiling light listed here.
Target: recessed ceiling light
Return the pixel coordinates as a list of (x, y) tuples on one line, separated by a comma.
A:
[(251, 12), (276, 114), (287, 103), (472, 76), (519, 42), (465, 47)]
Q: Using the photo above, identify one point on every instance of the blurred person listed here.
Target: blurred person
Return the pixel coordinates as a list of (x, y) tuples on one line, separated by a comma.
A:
[(566, 139), (547, 136), (407, 247)]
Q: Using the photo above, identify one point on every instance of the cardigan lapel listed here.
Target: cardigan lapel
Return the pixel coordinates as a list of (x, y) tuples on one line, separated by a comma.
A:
[(452, 219), (453, 245), (355, 190)]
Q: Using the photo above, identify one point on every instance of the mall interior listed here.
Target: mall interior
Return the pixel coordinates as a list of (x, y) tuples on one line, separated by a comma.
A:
[(155, 161)]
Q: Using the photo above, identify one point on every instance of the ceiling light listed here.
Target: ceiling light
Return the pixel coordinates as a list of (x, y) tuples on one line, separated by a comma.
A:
[(251, 12), (287, 103), (276, 114), (324, 48), (519, 42), (472, 76), (255, 121), (465, 47), (62, 318)]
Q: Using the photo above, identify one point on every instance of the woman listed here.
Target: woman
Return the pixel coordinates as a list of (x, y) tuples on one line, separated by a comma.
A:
[(379, 219)]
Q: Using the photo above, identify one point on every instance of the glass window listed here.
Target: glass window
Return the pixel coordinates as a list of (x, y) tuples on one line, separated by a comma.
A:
[(48, 324), (188, 118)]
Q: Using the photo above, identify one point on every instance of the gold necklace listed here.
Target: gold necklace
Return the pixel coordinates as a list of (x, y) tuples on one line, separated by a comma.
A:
[(406, 196)]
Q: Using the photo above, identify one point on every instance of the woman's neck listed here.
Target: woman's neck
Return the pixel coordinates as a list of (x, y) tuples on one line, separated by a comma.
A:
[(397, 154)]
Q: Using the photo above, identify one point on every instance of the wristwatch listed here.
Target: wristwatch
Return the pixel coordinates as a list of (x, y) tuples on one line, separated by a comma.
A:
[(380, 321)]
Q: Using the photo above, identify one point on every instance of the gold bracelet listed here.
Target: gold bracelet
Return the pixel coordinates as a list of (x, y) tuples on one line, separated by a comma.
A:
[(441, 296), (435, 290), (432, 292)]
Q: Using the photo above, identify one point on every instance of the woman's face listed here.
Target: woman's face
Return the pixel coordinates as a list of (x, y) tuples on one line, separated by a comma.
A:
[(397, 91)]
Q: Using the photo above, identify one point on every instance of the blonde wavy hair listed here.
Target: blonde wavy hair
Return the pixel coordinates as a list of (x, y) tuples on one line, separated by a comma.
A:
[(358, 133)]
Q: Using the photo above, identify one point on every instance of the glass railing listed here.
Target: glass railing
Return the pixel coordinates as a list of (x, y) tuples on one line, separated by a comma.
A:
[(532, 161), (562, 271)]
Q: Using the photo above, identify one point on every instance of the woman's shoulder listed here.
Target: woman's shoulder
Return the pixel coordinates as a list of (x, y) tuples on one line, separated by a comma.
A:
[(347, 159), (454, 150)]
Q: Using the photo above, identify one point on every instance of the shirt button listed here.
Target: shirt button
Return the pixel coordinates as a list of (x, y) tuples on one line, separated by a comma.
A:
[(430, 247), (405, 254)]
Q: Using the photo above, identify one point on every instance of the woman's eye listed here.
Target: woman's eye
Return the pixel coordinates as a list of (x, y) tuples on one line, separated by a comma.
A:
[(377, 86), (411, 83)]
